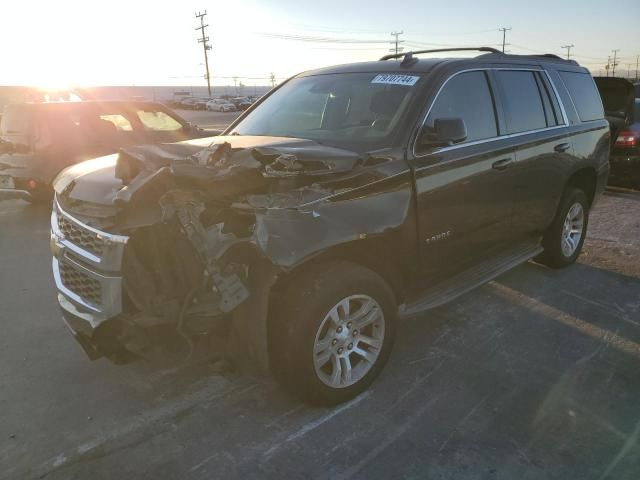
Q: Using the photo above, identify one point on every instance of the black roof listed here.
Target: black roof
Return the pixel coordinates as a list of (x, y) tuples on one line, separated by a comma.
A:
[(423, 65)]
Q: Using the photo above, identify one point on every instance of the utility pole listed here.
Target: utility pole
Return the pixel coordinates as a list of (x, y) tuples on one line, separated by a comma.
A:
[(615, 64), (608, 65), (568, 47), (396, 43), (504, 31), (272, 77), (205, 46), (637, 62)]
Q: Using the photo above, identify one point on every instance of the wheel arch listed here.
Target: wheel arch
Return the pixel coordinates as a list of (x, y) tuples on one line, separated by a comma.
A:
[(586, 180), (364, 253)]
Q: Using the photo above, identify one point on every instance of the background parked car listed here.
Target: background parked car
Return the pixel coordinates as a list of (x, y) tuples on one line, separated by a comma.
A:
[(194, 103), (621, 100), (220, 105), (187, 103), (38, 140), (241, 103)]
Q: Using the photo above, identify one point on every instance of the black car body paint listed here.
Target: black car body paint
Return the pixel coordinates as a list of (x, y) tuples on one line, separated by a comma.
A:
[(194, 234)]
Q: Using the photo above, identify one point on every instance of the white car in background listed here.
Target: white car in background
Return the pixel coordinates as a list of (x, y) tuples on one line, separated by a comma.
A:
[(220, 105)]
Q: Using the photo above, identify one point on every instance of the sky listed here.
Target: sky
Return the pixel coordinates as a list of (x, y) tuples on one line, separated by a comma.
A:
[(62, 43)]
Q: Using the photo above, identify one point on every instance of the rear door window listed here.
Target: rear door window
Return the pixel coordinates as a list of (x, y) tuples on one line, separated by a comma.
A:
[(467, 96), (158, 121), (523, 103), (119, 121), (584, 94)]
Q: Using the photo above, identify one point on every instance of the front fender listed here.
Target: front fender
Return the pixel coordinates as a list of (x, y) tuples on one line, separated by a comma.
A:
[(290, 236)]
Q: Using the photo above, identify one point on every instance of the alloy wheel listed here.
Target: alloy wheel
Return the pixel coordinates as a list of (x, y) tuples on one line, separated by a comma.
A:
[(349, 341), (572, 230)]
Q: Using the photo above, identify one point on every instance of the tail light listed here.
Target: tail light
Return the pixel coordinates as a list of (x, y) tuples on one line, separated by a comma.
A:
[(628, 139)]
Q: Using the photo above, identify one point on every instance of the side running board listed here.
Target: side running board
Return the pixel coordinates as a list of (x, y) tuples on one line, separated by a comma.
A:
[(463, 282)]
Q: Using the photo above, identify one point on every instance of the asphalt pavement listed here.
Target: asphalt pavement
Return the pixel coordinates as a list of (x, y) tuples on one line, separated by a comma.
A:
[(533, 376)]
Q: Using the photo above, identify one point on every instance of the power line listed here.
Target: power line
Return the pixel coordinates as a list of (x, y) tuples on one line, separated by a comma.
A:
[(317, 39), (395, 43), (504, 31), (205, 46), (615, 64), (568, 47)]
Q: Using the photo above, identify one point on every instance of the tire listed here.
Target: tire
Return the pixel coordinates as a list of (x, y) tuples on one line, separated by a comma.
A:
[(303, 328), (557, 253)]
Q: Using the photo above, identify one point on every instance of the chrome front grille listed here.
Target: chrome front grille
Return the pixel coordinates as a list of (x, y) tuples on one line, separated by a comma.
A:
[(86, 267), (85, 239), (81, 284)]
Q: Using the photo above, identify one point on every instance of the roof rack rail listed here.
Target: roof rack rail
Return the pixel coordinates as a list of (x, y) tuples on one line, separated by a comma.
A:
[(547, 55), (408, 55)]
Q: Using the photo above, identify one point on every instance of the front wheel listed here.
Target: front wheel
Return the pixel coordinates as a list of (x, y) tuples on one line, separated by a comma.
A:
[(333, 332), (564, 239)]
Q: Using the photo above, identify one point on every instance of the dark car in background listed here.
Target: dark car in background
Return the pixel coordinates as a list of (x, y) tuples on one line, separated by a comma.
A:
[(621, 102), (241, 103), (38, 140)]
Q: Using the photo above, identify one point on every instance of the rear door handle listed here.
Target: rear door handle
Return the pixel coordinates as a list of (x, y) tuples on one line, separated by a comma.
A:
[(502, 164), (562, 147)]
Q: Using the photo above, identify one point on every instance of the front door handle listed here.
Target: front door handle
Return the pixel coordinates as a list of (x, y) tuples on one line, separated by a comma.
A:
[(562, 147), (502, 164)]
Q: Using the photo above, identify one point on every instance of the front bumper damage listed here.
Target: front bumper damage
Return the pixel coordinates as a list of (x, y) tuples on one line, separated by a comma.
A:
[(201, 237), (84, 261), (88, 269)]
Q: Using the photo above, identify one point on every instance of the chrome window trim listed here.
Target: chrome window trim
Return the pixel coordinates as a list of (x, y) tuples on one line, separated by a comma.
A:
[(557, 94), (498, 137)]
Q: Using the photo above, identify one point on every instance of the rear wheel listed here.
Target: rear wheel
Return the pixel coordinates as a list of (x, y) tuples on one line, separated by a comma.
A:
[(333, 333), (564, 239)]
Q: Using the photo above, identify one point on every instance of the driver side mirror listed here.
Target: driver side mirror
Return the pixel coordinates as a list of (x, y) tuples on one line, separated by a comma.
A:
[(445, 132)]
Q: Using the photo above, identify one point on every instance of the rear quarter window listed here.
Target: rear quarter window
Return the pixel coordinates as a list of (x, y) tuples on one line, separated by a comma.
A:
[(584, 95)]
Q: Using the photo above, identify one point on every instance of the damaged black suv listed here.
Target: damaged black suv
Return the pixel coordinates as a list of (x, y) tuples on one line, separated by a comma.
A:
[(345, 199)]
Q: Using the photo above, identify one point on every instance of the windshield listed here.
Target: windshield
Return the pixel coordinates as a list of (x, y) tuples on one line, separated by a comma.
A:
[(356, 110)]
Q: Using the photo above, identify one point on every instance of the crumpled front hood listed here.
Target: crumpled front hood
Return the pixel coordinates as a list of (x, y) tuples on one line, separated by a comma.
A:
[(116, 178)]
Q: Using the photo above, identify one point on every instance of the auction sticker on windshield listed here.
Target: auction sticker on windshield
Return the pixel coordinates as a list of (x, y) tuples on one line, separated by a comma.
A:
[(390, 79)]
